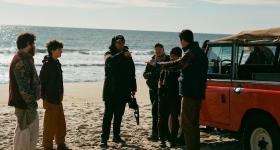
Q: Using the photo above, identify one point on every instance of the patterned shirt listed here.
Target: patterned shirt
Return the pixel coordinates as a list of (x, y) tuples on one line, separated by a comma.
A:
[(29, 87)]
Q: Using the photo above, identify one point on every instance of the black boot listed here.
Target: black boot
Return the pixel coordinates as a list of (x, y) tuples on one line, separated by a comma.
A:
[(103, 144), (162, 144), (153, 138), (117, 139)]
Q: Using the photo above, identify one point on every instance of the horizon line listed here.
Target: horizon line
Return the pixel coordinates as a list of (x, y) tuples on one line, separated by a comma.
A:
[(75, 27)]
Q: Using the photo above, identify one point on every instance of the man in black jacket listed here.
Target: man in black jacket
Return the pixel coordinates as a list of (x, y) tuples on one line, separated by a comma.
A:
[(169, 100), (151, 74), (52, 95), (119, 85)]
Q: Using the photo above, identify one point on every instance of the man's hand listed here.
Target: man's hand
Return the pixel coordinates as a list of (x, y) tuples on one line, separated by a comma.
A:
[(127, 54), (157, 58), (151, 62)]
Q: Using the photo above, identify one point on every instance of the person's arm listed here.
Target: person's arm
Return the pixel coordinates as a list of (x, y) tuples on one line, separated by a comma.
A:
[(113, 59), (44, 77), (148, 72), (23, 79), (181, 63), (161, 77)]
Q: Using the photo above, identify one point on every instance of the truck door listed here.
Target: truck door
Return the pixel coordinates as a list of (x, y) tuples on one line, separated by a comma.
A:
[(215, 109)]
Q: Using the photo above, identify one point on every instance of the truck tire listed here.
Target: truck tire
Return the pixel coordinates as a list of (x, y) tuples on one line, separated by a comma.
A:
[(261, 133)]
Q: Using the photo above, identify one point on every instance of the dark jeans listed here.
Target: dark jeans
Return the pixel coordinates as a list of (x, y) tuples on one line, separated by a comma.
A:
[(154, 102), (112, 108), (169, 105)]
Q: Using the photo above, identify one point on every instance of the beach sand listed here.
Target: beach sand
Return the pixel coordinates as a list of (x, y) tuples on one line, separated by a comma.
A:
[(83, 108)]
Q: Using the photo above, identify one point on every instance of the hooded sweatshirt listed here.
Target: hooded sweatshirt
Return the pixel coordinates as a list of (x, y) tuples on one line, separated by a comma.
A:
[(51, 80)]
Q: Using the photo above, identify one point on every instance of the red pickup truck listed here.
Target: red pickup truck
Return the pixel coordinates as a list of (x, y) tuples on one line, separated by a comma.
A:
[(243, 87)]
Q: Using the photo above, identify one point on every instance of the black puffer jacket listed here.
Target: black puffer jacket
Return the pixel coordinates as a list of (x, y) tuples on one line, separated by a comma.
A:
[(120, 78), (51, 81)]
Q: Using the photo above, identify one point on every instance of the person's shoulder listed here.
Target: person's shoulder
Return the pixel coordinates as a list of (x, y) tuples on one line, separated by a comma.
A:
[(167, 57), (16, 58), (108, 53), (46, 60), (195, 49)]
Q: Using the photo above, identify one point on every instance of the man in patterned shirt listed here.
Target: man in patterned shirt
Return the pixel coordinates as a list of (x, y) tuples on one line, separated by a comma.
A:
[(24, 91)]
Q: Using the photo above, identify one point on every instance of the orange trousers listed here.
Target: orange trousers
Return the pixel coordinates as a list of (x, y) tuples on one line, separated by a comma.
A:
[(54, 125)]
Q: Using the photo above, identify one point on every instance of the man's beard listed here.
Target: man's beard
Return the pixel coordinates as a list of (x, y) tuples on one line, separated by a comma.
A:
[(32, 51)]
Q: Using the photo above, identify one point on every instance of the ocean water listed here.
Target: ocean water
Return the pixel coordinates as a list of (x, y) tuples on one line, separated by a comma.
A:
[(83, 54)]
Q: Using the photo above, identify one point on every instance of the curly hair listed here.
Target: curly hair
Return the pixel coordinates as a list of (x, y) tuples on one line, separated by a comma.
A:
[(53, 45), (24, 39)]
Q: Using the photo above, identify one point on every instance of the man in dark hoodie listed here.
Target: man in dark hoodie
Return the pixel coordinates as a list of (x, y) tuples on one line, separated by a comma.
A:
[(119, 86), (52, 95), (169, 100), (192, 83), (151, 74)]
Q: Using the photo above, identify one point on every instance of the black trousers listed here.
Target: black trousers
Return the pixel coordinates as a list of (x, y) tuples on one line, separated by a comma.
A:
[(114, 109), (169, 105), (154, 102)]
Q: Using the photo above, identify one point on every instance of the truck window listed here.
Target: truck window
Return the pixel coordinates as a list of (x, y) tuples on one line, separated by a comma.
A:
[(219, 62), (256, 55), (256, 63)]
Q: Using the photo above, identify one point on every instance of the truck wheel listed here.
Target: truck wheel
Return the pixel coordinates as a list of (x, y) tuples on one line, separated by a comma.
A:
[(261, 133)]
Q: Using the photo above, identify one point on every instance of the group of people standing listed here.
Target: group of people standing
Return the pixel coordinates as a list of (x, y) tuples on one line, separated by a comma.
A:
[(177, 86), (164, 95), (26, 88)]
